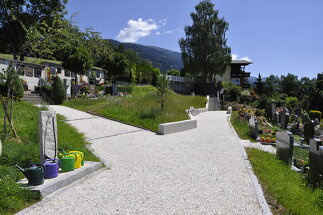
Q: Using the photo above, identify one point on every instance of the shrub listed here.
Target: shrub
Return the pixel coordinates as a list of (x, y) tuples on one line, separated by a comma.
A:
[(99, 88), (291, 103), (58, 90), (123, 89), (315, 114), (46, 89), (232, 91), (245, 97), (85, 88), (15, 82)]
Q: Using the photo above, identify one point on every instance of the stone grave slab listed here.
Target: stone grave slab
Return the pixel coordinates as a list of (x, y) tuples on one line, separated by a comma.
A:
[(47, 135), (316, 161), (284, 118), (272, 110), (253, 127), (284, 144)]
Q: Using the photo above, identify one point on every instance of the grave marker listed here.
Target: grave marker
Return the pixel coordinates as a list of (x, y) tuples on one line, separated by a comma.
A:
[(273, 110), (284, 143), (284, 118), (315, 161), (47, 135), (253, 127)]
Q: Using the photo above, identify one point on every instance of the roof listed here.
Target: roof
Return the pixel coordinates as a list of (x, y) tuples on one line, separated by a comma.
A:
[(38, 61), (241, 62)]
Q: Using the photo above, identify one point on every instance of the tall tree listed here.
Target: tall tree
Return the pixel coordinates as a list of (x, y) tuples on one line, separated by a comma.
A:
[(204, 50), (259, 86), (289, 84), (78, 60), (17, 16)]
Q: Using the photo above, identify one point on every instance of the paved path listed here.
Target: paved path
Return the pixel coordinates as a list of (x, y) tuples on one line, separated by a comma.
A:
[(200, 171)]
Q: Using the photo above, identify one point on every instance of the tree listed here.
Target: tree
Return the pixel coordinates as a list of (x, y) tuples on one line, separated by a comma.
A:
[(58, 91), (17, 16), (117, 67), (204, 50), (173, 72), (259, 86), (162, 90), (289, 84), (78, 60), (271, 85)]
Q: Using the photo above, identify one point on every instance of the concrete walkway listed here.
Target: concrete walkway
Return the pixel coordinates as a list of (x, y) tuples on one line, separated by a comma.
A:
[(199, 171)]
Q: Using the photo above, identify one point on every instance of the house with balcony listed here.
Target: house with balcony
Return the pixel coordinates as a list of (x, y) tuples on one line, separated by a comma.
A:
[(235, 72)]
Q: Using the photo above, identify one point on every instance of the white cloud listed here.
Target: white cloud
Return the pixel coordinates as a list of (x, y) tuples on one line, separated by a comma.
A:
[(236, 57), (245, 58), (168, 31), (163, 22), (157, 33), (137, 29)]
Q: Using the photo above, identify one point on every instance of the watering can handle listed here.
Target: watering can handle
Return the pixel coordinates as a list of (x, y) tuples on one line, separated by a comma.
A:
[(42, 166), (59, 162)]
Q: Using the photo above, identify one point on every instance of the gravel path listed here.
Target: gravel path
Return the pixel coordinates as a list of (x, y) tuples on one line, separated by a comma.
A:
[(200, 171)]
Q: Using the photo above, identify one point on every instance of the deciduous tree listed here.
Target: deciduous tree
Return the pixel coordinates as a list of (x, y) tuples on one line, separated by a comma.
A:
[(204, 49)]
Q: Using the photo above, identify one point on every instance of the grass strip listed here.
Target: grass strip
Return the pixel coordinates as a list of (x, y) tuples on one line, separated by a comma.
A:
[(286, 186), (141, 109), (13, 197)]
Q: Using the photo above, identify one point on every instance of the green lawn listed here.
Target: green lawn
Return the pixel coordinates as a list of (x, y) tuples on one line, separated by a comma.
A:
[(141, 109), (240, 126), (285, 185), (12, 197)]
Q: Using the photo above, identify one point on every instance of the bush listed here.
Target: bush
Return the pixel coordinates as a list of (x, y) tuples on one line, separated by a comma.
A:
[(99, 88), (46, 89), (123, 89), (315, 114), (58, 90), (291, 103), (15, 82), (232, 91)]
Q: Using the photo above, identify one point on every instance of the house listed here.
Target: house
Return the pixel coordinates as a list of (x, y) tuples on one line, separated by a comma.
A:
[(37, 72), (235, 72)]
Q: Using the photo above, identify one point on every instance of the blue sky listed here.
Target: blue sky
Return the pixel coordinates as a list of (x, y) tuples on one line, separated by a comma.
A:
[(279, 36)]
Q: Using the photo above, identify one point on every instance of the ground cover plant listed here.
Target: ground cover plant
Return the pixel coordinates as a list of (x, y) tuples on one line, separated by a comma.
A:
[(25, 150), (141, 108), (285, 185)]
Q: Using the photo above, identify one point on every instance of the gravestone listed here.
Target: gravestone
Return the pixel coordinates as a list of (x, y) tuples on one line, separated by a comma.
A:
[(284, 143), (276, 118), (92, 90), (253, 127), (273, 110), (309, 130), (284, 118), (75, 89), (316, 161), (47, 135)]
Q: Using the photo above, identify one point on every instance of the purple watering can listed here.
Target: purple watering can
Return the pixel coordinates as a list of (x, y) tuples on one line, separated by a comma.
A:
[(51, 168)]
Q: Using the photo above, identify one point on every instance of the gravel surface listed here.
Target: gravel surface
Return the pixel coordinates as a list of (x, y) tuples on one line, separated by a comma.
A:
[(199, 171)]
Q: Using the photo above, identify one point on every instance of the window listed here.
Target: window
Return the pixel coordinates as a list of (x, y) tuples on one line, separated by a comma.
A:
[(37, 72), (98, 74), (236, 81), (53, 71), (21, 70), (59, 70), (29, 71)]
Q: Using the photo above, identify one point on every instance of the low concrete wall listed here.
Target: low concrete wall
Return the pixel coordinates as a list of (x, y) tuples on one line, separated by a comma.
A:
[(201, 110), (173, 127)]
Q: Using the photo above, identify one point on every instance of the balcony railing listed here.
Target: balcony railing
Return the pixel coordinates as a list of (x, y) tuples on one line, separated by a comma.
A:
[(240, 75)]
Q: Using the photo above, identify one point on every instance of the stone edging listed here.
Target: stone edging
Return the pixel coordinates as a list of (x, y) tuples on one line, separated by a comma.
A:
[(260, 195), (173, 127)]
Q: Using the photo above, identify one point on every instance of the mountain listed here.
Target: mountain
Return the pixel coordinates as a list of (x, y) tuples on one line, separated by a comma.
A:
[(252, 80), (164, 59)]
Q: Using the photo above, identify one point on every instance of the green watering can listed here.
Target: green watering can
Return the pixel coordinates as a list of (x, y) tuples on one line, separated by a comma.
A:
[(67, 163), (34, 174)]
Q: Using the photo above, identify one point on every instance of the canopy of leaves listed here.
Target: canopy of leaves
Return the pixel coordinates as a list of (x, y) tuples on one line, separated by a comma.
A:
[(204, 50)]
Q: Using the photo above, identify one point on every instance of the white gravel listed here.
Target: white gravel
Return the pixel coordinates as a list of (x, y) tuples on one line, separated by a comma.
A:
[(199, 171)]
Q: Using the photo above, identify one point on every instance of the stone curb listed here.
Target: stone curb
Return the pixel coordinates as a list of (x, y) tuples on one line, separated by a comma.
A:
[(174, 127), (260, 195), (52, 185)]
